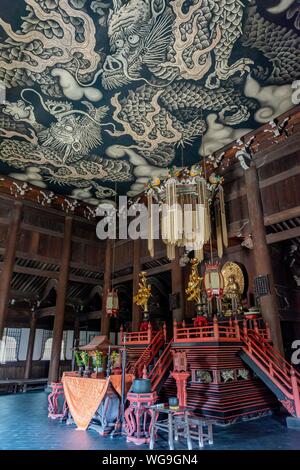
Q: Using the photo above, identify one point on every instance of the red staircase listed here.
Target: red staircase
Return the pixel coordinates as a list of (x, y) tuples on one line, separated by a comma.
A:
[(161, 368), (273, 370), (147, 355)]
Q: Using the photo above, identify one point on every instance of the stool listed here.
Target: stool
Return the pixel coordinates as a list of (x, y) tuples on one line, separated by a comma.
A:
[(176, 420), (199, 429)]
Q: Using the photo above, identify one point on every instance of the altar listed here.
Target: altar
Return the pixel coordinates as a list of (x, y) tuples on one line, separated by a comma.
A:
[(85, 398)]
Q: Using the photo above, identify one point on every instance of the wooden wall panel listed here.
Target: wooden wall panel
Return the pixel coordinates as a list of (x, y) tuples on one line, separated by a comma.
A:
[(50, 246)]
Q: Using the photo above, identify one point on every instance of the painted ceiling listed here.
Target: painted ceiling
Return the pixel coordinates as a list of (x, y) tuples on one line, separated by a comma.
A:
[(103, 95)]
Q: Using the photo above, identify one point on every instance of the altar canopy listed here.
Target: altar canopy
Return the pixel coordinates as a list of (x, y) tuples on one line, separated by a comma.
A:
[(84, 395)]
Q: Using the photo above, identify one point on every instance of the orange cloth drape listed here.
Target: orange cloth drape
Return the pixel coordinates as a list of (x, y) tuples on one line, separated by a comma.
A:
[(116, 381), (83, 396)]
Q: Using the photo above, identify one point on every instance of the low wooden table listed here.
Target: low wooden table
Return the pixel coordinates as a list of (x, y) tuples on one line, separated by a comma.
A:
[(200, 430), (175, 418)]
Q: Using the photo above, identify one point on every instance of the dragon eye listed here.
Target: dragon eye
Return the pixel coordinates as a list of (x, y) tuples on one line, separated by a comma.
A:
[(133, 39), (119, 43)]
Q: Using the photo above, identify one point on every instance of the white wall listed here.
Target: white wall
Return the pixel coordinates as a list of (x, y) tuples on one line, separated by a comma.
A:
[(38, 342)]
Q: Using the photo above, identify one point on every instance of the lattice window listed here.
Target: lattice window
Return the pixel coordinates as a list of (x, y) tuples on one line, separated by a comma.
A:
[(47, 345), (10, 345)]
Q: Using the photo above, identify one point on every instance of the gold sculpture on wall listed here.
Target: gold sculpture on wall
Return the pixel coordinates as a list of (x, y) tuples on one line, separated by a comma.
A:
[(143, 294), (193, 290)]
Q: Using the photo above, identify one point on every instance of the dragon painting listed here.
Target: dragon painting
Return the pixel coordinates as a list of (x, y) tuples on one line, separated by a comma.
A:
[(106, 92)]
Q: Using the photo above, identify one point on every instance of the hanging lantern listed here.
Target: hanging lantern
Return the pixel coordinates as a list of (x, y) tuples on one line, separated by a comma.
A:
[(112, 303), (185, 199), (214, 285)]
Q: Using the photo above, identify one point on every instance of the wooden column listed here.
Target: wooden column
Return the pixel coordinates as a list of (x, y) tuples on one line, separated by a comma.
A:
[(76, 337), (60, 302), (261, 254), (178, 286), (29, 355), (9, 261), (136, 310), (105, 320)]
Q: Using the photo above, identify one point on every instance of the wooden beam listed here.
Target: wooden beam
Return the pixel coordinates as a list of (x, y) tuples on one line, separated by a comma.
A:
[(9, 261), (105, 320), (30, 347), (285, 235), (281, 216), (60, 302), (261, 255), (284, 175)]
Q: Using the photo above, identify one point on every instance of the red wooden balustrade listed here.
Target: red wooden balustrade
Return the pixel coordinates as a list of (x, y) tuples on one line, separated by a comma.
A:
[(229, 331), (161, 367), (148, 354), (137, 337), (276, 368)]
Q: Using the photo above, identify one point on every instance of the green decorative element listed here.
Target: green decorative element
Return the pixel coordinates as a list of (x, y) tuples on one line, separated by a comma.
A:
[(98, 359), (115, 359), (78, 360), (85, 358)]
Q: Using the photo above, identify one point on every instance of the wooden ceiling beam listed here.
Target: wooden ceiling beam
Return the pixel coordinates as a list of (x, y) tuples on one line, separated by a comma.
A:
[(284, 235)]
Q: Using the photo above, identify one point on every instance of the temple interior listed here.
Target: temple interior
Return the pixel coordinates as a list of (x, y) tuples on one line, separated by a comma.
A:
[(149, 225)]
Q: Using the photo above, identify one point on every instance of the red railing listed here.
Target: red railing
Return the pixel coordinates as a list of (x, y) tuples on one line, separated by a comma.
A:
[(137, 337), (161, 367), (279, 371), (229, 331), (148, 354)]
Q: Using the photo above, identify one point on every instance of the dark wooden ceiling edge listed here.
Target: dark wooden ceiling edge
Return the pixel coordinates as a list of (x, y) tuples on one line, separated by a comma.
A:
[(32, 195)]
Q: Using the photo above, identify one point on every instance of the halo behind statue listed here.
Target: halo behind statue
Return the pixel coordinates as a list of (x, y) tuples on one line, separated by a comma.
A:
[(233, 269)]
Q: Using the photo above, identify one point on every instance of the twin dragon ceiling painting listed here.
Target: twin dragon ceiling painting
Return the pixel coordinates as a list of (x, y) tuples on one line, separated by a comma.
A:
[(106, 94)]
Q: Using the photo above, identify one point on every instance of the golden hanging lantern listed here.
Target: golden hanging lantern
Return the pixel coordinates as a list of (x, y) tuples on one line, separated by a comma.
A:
[(185, 199), (112, 303)]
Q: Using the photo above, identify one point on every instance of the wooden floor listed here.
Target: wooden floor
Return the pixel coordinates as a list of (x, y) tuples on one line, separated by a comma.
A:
[(24, 425)]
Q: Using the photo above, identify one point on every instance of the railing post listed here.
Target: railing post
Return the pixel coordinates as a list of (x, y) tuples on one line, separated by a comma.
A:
[(175, 330), (121, 334), (296, 392), (268, 332), (145, 376), (255, 327), (149, 332), (237, 329), (245, 329), (165, 332), (216, 328)]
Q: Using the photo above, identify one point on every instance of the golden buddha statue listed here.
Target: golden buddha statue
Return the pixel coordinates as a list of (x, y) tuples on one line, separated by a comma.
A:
[(232, 292)]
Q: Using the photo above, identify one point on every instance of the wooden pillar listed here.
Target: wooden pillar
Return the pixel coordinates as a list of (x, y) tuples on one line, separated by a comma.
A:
[(76, 337), (105, 320), (29, 355), (136, 310), (9, 261), (177, 287), (60, 302), (261, 254)]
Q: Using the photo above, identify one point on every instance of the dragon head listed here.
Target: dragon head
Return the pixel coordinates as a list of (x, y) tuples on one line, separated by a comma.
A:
[(139, 32)]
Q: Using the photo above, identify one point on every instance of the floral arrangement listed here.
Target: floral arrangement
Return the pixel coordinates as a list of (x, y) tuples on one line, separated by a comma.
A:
[(85, 358), (115, 359), (78, 359), (98, 359)]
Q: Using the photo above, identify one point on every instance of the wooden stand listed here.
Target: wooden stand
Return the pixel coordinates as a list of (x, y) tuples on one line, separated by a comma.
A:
[(137, 425)]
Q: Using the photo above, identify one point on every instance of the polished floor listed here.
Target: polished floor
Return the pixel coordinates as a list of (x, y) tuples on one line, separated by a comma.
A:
[(24, 425)]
